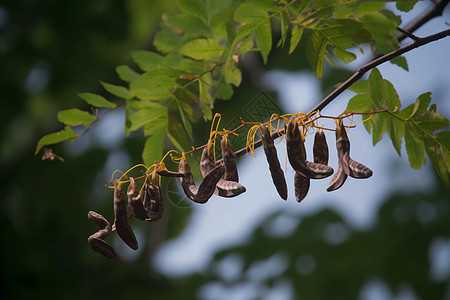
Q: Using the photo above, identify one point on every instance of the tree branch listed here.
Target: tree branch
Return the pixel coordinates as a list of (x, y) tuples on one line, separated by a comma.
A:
[(357, 75), (434, 11)]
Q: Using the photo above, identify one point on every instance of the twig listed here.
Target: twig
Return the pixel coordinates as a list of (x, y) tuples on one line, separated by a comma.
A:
[(357, 75), (407, 33), (434, 11)]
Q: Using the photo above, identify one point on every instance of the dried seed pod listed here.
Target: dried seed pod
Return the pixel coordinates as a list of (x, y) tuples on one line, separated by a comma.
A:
[(229, 160), (224, 188), (301, 184), (347, 166), (320, 148), (274, 165), (121, 220), (153, 201), (96, 241), (167, 173), (207, 187), (297, 152), (135, 199)]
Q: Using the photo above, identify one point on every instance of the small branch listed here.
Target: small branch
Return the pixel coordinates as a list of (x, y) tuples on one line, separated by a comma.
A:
[(434, 11), (357, 75), (407, 33)]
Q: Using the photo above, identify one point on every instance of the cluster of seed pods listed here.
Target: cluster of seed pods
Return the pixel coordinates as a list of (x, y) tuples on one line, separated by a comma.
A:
[(306, 170), (147, 204)]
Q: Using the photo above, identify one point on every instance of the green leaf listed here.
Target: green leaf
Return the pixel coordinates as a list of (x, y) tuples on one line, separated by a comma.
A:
[(202, 49), (66, 134), (147, 116), (126, 73), (296, 36), (405, 5), (117, 90), (152, 86), (421, 105), (247, 14), (146, 60), (315, 51), (166, 40), (380, 123), (431, 121), (401, 62), (396, 131), (177, 134), (232, 74), (359, 103), (206, 101), (437, 159), (186, 124), (414, 146), (154, 146), (189, 24), (263, 34), (382, 92), (75, 116), (360, 87), (194, 7), (223, 91), (96, 100)]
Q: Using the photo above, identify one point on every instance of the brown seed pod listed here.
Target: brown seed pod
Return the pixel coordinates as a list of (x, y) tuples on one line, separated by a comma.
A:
[(207, 187), (229, 160), (153, 201), (297, 152), (121, 220), (96, 241), (301, 184), (135, 200), (320, 148), (274, 165), (347, 166), (224, 188)]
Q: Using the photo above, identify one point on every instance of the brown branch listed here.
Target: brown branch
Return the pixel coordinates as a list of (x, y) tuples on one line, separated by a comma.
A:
[(357, 75), (434, 11)]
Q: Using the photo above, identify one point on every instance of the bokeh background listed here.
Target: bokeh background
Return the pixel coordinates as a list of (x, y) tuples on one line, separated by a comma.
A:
[(387, 237)]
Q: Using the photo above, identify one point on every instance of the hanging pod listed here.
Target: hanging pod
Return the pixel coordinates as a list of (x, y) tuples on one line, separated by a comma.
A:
[(206, 188), (274, 164), (297, 153), (229, 160), (153, 200), (320, 148), (224, 188), (135, 197), (347, 166), (301, 185), (97, 240), (121, 220)]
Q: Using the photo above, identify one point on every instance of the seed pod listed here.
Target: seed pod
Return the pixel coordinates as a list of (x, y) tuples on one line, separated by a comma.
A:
[(153, 201), (135, 199), (224, 188), (207, 187), (166, 173), (297, 152), (301, 184), (96, 241), (121, 221), (347, 166), (320, 148), (274, 165), (229, 160)]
